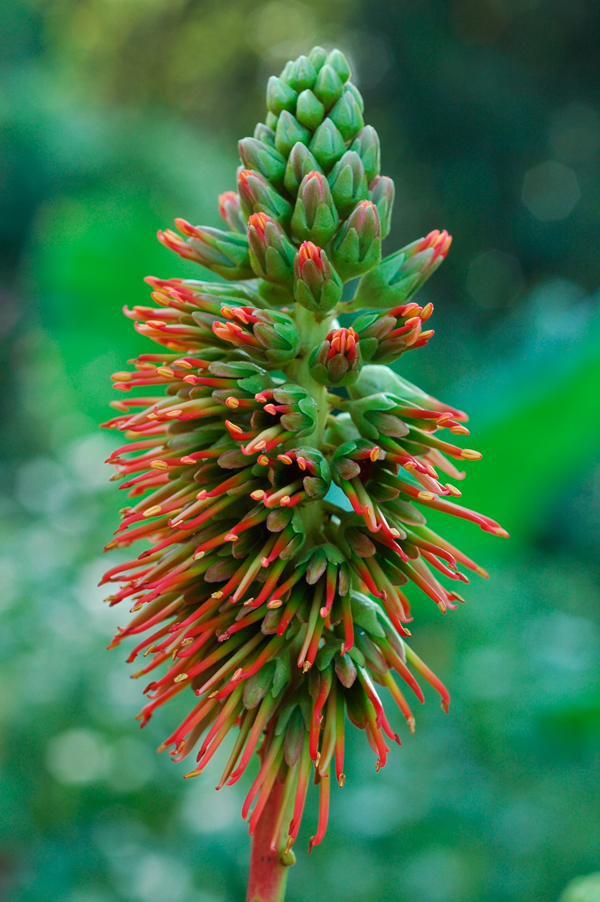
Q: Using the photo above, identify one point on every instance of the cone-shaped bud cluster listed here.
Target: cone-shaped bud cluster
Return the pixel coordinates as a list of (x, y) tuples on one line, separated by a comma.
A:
[(337, 360), (317, 286), (273, 599)]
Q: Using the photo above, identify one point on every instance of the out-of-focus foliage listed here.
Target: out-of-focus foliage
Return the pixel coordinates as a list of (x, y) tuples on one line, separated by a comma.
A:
[(118, 116)]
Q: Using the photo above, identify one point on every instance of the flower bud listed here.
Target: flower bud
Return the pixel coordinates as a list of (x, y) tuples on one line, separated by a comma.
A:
[(315, 216), (400, 275), (373, 416), (328, 86), (280, 96), (357, 247), (288, 132), (382, 194), (327, 145), (348, 183), (366, 145), (231, 211), (318, 286), (318, 58), (271, 251), (309, 110), (300, 163), (385, 338), (301, 74), (258, 196), (265, 134), (338, 61), (337, 360), (225, 253), (267, 160), (347, 115)]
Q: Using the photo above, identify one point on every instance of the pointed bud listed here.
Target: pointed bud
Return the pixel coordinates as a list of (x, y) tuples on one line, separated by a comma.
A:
[(309, 110), (400, 275), (382, 193), (271, 121), (271, 251), (327, 145), (348, 183), (366, 145), (328, 86), (225, 253), (337, 360), (262, 158), (318, 57), (347, 116), (265, 134), (315, 216), (318, 286), (301, 74), (357, 247), (231, 211), (384, 338), (258, 196), (288, 132), (300, 163), (280, 96), (338, 61)]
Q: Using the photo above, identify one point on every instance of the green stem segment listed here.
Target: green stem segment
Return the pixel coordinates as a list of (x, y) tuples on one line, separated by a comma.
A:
[(268, 872)]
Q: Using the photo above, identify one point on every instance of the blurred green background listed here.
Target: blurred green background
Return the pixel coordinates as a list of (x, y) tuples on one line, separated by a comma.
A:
[(117, 116)]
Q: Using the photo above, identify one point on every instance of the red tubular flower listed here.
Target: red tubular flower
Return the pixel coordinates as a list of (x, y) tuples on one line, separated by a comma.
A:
[(276, 610)]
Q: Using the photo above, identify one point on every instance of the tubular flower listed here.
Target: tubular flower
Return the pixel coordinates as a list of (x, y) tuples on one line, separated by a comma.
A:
[(279, 613)]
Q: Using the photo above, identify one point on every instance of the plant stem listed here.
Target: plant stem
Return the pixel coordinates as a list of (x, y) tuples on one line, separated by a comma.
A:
[(268, 873)]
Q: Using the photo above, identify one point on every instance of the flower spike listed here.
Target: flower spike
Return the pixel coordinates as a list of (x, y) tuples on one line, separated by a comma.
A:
[(282, 475)]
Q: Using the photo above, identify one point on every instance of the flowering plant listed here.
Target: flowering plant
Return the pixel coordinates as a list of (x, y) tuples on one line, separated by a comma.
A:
[(281, 471)]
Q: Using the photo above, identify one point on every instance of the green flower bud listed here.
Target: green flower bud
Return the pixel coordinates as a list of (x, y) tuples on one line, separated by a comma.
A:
[(318, 57), (315, 217), (400, 275), (271, 251), (267, 160), (328, 86), (318, 286), (366, 145), (276, 335), (348, 183), (280, 96), (302, 74), (357, 247), (382, 192), (338, 61), (300, 163), (327, 145), (258, 196), (309, 110), (347, 116), (225, 253), (288, 132), (271, 121), (337, 360), (265, 134), (356, 94)]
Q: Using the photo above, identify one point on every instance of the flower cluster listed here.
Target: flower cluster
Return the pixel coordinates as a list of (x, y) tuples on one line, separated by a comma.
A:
[(280, 482)]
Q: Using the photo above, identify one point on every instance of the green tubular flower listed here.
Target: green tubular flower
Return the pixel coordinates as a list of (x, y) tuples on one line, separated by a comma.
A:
[(277, 611)]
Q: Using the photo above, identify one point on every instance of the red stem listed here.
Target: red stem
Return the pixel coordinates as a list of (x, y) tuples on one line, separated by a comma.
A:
[(268, 875)]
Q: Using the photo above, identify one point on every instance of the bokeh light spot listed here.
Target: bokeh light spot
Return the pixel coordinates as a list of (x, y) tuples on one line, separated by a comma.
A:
[(550, 191)]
